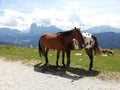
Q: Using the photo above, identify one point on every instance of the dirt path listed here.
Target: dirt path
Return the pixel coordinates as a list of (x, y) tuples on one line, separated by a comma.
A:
[(15, 76)]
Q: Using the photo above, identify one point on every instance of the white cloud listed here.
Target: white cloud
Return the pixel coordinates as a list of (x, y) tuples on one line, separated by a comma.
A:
[(70, 16), (12, 19)]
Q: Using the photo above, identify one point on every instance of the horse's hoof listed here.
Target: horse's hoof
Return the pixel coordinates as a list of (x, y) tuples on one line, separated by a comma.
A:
[(45, 64), (68, 65), (57, 65), (90, 69), (64, 65)]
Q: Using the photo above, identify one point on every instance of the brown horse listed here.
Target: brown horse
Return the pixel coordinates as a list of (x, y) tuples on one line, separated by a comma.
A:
[(90, 44), (107, 51), (58, 41), (103, 51), (110, 52)]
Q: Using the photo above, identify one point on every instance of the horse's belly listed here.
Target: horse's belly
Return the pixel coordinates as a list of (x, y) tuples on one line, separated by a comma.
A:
[(53, 45)]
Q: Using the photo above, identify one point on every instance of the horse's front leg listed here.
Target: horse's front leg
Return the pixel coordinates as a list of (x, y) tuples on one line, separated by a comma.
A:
[(90, 54), (68, 57), (63, 57), (58, 53)]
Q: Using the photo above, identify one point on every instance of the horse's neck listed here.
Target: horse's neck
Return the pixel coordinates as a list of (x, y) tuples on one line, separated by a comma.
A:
[(66, 39)]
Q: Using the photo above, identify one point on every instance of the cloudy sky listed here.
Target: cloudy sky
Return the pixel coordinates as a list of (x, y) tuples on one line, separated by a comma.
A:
[(65, 14)]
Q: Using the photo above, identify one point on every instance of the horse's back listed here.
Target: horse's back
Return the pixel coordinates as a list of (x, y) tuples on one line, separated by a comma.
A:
[(51, 41), (48, 37)]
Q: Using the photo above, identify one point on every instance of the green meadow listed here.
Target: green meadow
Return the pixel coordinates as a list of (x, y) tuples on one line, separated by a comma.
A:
[(101, 63), (30, 56)]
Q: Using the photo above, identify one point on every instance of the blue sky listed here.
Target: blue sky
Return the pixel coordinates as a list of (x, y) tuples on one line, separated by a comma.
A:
[(64, 14)]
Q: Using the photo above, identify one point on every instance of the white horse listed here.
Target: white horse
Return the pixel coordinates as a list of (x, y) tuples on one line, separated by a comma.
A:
[(90, 44)]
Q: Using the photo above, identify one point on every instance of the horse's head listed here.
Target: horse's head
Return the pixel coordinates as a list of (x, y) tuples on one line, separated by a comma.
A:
[(78, 36)]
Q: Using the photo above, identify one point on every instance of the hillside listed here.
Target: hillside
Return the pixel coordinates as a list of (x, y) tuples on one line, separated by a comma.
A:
[(15, 37), (102, 29), (106, 38), (109, 39)]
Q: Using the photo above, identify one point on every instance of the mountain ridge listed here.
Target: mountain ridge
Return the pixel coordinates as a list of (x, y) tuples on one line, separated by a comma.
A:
[(102, 29), (106, 39)]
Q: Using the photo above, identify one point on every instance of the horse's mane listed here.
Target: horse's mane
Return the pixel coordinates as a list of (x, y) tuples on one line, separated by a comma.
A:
[(66, 33)]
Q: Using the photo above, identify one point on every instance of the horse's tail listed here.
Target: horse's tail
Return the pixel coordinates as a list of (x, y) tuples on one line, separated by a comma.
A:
[(39, 48), (96, 47)]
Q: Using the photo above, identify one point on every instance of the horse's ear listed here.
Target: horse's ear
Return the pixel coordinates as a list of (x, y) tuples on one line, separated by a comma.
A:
[(79, 28), (75, 28)]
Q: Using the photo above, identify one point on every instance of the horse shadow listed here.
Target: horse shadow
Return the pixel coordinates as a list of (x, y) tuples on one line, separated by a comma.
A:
[(73, 73)]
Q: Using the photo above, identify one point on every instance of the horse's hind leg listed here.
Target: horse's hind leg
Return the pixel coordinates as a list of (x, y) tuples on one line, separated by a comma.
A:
[(90, 54), (46, 56)]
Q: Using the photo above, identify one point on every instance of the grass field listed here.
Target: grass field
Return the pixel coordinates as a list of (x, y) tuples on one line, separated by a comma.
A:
[(101, 63), (30, 56)]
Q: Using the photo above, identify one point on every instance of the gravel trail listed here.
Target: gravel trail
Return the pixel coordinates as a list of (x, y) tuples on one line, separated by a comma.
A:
[(16, 76)]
